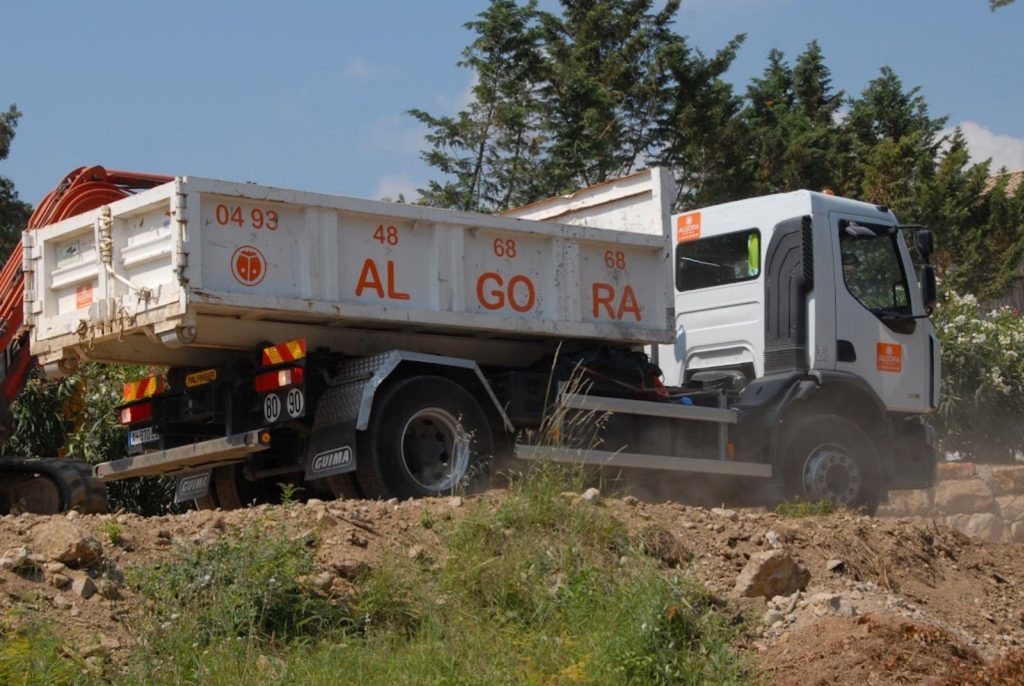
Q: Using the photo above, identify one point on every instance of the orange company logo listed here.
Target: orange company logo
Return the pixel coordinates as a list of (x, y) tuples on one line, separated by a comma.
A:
[(889, 357), (688, 227), (248, 265)]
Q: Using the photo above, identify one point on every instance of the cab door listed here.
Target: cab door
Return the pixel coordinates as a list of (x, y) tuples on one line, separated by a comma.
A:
[(882, 335)]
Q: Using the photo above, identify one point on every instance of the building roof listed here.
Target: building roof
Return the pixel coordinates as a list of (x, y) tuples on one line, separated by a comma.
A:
[(1014, 182)]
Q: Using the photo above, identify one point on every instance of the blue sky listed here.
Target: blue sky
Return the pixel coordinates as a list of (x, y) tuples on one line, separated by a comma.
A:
[(312, 95)]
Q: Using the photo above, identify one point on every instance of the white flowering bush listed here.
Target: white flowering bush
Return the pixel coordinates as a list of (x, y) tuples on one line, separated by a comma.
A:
[(981, 413)]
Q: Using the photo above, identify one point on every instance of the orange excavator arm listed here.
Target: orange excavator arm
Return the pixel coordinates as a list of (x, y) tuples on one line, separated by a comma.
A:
[(84, 189)]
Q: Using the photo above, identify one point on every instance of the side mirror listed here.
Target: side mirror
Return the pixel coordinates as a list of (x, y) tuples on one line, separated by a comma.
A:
[(925, 243), (929, 286)]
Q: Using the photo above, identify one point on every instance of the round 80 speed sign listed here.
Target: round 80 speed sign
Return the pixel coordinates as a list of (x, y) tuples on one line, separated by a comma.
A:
[(294, 404)]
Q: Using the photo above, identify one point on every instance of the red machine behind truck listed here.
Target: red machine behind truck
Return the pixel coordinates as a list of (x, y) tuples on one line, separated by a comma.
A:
[(366, 349)]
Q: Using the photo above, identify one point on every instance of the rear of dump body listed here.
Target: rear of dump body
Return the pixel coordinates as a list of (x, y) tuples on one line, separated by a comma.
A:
[(190, 272)]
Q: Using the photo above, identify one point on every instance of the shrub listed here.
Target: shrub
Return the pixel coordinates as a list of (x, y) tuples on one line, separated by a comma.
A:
[(982, 379)]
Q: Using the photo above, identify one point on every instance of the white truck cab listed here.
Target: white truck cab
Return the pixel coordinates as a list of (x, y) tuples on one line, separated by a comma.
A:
[(802, 280)]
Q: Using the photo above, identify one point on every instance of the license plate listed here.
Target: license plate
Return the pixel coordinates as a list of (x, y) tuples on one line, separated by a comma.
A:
[(140, 436)]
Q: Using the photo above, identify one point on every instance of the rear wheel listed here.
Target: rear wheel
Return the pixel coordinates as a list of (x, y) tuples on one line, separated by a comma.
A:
[(427, 436), (234, 490), (831, 458)]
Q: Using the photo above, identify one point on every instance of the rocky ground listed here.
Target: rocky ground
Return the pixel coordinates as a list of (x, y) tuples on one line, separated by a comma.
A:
[(842, 599)]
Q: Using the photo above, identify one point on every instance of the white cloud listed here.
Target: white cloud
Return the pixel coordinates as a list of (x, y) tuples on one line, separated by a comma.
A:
[(462, 100), (400, 133), (358, 69), (983, 143), (394, 185)]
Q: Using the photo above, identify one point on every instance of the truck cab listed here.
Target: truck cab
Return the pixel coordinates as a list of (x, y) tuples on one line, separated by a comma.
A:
[(809, 291)]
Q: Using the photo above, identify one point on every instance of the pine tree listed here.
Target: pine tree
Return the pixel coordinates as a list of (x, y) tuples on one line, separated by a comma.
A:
[(14, 213)]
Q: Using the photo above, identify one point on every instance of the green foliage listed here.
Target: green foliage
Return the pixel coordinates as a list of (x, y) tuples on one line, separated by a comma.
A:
[(14, 213), (801, 508), (571, 99), (34, 654), (537, 588), (982, 379), (76, 417), (247, 585)]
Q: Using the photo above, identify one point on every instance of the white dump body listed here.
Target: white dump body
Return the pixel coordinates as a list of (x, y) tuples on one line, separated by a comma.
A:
[(196, 269)]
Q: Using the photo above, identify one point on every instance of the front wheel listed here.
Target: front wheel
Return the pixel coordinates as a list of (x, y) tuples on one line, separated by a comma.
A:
[(830, 458), (427, 436)]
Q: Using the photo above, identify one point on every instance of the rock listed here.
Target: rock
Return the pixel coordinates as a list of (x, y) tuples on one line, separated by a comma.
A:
[(72, 515), (54, 567), (912, 503), (391, 501), (829, 601), (15, 558), (967, 496), (349, 568), (771, 573), (731, 515), (1008, 480), (415, 552), (951, 471), (108, 589), (83, 587), (61, 603), (1011, 508), (772, 616), (834, 565), (630, 500), (58, 581), (659, 543), (773, 540), (1017, 532), (590, 495), (983, 525), (455, 502), (104, 647), (315, 502), (63, 541), (323, 581)]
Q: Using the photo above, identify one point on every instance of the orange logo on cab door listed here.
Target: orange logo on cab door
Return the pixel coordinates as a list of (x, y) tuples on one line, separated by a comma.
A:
[(688, 227), (889, 357)]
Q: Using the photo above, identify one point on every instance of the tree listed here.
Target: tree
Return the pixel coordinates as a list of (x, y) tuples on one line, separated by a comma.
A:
[(14, 213), (791, 115), (490, 151), (702, 139), (568, 100), (894, 143)]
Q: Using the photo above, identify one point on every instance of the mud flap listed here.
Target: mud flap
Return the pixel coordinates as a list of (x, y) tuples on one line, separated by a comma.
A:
[(331, 448), (191, 486)]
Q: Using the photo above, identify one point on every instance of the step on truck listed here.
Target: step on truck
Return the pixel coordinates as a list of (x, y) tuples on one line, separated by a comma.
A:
[(366, 349)]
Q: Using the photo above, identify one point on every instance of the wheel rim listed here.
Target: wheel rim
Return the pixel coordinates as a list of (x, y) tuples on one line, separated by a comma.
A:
[(831, 473), (435, 450)]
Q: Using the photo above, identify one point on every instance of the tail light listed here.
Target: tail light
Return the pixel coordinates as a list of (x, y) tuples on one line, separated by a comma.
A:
[(271, 381), (140, 412)]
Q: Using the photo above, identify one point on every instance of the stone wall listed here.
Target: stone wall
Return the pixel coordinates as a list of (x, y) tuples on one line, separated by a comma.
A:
[(986, 501)]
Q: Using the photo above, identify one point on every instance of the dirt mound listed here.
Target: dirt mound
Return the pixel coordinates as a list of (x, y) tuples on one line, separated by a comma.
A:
[(888, 601), (867, 651)]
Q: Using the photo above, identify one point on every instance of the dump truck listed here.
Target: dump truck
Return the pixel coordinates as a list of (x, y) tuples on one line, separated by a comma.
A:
[(356, 348)]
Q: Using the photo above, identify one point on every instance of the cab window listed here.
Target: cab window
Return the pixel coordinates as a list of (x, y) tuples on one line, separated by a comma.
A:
[(874, 272), (718, 260)]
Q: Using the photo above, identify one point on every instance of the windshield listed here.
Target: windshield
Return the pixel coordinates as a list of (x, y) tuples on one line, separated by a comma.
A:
[(874, 273)]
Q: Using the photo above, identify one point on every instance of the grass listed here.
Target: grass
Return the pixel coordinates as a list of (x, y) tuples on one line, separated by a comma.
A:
[(802, 508), (537, 588)]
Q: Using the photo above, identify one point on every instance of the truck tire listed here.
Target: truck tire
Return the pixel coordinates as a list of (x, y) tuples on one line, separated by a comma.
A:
[(427, 436), (827, 457), (234, 491)]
